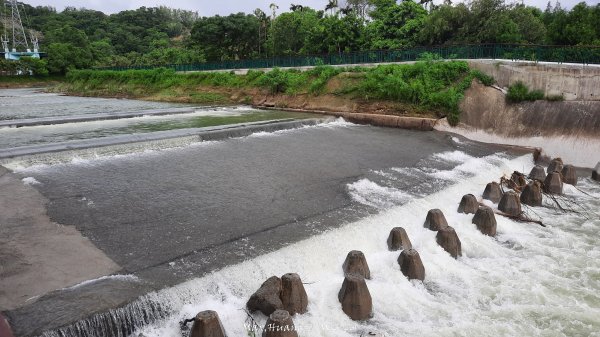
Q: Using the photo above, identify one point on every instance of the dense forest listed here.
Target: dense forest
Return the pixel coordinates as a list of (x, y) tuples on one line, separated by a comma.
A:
[(82, 38)]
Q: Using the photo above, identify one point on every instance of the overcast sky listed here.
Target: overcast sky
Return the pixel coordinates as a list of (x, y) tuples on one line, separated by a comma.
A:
[(222, 7)]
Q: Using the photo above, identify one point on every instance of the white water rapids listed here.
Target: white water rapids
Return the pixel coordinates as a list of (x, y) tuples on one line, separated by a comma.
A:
[(528, 281)]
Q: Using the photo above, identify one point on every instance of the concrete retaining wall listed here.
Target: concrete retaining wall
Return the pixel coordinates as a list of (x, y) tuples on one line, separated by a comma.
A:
[(574, 82)]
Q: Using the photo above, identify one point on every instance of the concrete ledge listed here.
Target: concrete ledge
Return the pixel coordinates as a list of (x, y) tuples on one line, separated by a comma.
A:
[(207, 133), (402, 122), (54, 120)]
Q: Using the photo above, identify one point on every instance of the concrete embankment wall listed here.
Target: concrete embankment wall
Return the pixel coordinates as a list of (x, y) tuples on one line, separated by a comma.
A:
[(568, 129), (573, 82)]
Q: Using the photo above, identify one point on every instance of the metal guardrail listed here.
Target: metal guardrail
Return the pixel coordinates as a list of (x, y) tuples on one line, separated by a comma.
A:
[(539, 53)]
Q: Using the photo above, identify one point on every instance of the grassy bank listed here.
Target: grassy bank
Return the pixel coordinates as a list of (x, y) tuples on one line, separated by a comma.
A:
[(423, 88), (7, 82)]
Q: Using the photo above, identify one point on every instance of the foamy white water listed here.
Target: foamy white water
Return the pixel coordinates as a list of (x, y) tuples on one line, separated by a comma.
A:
[(579, 151), (528, 281)]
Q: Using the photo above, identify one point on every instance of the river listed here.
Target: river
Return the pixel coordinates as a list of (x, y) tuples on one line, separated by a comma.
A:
[(201, 225)]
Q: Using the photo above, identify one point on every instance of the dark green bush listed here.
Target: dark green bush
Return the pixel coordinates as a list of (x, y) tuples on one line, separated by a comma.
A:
[(519, 92)]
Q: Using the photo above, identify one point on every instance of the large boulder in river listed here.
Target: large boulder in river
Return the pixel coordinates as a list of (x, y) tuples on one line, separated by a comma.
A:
[(510, 204), (596, 172), (569, 175), (280, 324), (356, 263), (492, 192), (468, 204), (355, 298), (293, 295), (411, 265), (553, 183), (485, 220), (207, 324), (435, 220), (448, 239), (556, 165), (537, 173), (398, 239), (267, 298), (532, 194)]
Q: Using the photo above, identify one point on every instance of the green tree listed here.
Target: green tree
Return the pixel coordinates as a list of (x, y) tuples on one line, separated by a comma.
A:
[(395, 25)]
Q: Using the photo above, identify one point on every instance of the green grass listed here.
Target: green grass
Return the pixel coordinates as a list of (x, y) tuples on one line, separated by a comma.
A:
[(429, 85), (8, 81), (519, 92)]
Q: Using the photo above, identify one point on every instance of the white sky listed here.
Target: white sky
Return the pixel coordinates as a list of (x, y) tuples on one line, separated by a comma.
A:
[(222, 7)]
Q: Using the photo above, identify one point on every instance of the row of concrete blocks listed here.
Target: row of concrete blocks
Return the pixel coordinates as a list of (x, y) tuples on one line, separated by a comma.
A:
[(281, 298)]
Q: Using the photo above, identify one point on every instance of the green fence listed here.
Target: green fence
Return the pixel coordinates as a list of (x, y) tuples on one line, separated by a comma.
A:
[(561, 54)]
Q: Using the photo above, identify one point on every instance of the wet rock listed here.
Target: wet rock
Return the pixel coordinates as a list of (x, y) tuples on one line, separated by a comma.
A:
[(280, 324), (293, 295), (555, 165), (411, 265), (468, 204), (355, 298), (553, 183), (532, 194), (510, 204), (435, 220), (267, 298), (485, 220), (207, 324), (596, 172), (448, 239), (537, 173), (356, 263), (398, 239), (539, 157), (492, 192), (569, 175)]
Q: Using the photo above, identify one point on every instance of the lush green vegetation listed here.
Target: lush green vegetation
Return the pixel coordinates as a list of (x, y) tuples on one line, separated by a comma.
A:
[(81, 38), (427, 85), (519, 92)]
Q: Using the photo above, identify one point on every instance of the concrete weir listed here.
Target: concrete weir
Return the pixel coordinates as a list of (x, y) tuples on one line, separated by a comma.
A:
[(191, 190), (201, 134)]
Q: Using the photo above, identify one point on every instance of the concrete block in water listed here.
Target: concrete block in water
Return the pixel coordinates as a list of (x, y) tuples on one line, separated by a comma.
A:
[(267, 298), (555, 165), (448, 239), (510, 204), (280, 324), (398, 239), (468, 204), (355, 298), (569, 175), (5, 330), (435, 220), (492, 192), (293, 295), (532, 194), (596, 172), (553, 183), (518, 178), (411, 265), (356, 263), (485, 220), (537, 173), (207, 324)]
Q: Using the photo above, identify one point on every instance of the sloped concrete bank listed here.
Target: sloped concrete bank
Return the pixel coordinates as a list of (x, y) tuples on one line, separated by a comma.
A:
[(567, 129)]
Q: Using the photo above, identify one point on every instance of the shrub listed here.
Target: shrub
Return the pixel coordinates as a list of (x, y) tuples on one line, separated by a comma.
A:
[(519, 92)]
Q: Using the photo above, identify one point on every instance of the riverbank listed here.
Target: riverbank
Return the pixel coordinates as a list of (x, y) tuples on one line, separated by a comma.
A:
[(424, 89), (17, 82)]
